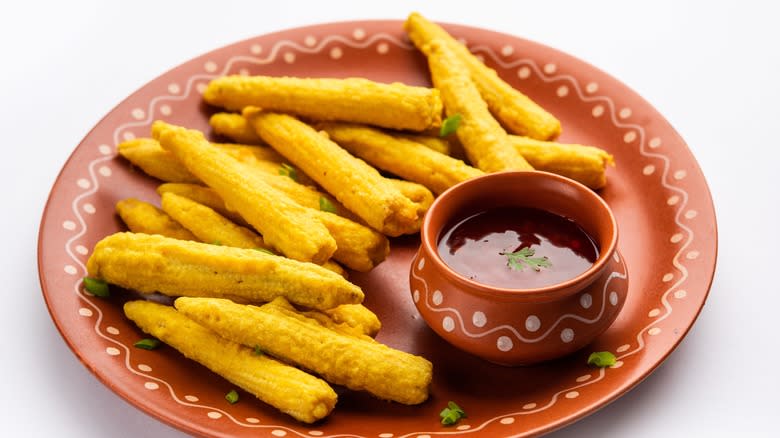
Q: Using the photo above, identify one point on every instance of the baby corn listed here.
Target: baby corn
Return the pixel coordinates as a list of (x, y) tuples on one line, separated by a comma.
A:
[(356, 316), (341, 359), (234, 127), (586, 164), (143, 217), (292, 391), (152, 263), (396, 105), (202, 195), (155, 161)]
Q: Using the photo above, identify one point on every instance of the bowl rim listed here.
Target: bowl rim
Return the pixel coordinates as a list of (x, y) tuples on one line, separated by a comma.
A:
[(551, 292)]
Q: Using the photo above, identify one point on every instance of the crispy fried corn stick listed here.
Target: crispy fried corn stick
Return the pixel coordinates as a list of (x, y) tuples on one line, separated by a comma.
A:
[(234, 127), (396, 105), (147, 154), (149, 263), (354, 183), (437, 144), (485, 141), (344, 360), (202, 195), (358, 246), (356, 316), (401, 156), (292, 391), (516, 111), (586, 164), (143, 217), (284, 224)]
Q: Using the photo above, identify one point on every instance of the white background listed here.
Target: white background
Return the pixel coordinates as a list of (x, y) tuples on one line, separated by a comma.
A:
[(711, 69)]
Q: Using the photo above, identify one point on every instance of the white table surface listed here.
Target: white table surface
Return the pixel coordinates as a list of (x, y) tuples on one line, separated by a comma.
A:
[(711, 70)]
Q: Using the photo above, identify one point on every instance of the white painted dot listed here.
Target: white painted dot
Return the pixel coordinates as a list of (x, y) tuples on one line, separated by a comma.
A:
[(386, 435), (654, 142), (210, 66), (111, 351), (437, 297), (448, 324), (165, 110), (529, 406), (243, 71), (278, 432), (138, 113), (532, 323), (507, 420), (69, 225), (680, 294), (680, 174), (83, 183), (673, 200), (597, 111), (70, 269), (358, 34), (89, 208), (654, 331), (648, 170), (256, 49), (463, 427), (174, 88), (104, 149), (572, 394), (201, 87), (214, 415), (310, 41), (617, 364), (289, 57), (523, 72), (653, 313), (586, 300), (567, 335), (421, 264), (151, 386), (114, 331), (81, 249), (463, 41), (481, 58), (507, 50), (416, 295), (562, 91), (690, 214), (667, 277), (504, 343), (550, 68), (479, 319), (128, 135), (252, 420), (613, 298), (629, 137), (144, 367), (382, 48), (316, 433), (625, 113), (191, 398), (336, 53), (676, 238), (85, 312), (692, 255), (592, 87), (623, 348), (583, 378), (105, 171)]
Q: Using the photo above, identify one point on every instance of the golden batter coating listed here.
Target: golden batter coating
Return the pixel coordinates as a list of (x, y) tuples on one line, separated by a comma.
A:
[(155, 161), (516, 111), (354, 362), (294, 392), (202, 195), (356, 316), (234, 127), (396, 105), (143, 217), (153, 263)]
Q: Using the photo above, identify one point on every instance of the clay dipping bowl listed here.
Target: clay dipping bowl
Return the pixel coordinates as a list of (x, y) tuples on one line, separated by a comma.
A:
[(519, 326)]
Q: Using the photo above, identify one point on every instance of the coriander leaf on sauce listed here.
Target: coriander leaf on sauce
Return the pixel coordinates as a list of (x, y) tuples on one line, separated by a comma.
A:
[(525, 257)]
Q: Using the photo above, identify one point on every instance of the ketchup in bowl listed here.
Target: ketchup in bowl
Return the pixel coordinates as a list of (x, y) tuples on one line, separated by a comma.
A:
[(517, 248)]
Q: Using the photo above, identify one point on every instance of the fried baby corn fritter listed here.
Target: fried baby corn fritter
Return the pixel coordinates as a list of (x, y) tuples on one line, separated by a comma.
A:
[(395, 106), (153, 263), (143, 217), (284, 224), (485, 141), (516, 111), (292, 391), (340, 359)]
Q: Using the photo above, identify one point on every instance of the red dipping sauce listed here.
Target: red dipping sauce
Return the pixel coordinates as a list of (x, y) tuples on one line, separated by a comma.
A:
[(517, 248)]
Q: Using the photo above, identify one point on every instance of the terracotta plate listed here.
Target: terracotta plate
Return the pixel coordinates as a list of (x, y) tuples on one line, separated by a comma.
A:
[(659, 196)]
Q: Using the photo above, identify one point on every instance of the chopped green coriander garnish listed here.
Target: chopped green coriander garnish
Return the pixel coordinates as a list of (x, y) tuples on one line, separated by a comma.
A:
[(602, 359), (450, 125), (232, 396), (451, 414), (258, 351), (267, 251), (96, 287), (147, 343), (326, 205), (525, 257), (288, 171), (216, 242)]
